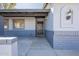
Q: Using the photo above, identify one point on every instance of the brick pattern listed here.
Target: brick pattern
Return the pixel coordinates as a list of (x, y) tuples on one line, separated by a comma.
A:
[(66, 39)]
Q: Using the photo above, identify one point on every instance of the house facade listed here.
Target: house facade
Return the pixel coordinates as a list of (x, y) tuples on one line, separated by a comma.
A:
[(57, 22), (28, 23), (63, 25)]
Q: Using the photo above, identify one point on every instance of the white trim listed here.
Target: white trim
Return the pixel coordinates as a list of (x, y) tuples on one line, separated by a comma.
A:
[(10, 24)]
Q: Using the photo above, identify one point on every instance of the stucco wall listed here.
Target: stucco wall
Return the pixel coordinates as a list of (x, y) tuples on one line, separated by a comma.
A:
[(49, 21), (66, 34), (61, 24)]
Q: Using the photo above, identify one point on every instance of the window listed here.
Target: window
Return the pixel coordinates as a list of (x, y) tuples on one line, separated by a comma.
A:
[(6, 24), (18, 23)]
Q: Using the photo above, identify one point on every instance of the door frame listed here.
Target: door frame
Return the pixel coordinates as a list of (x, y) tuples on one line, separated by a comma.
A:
[(36, 27)]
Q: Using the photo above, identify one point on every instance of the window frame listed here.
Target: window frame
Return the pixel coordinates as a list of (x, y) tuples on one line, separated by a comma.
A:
[(7, 24), (14, 28)]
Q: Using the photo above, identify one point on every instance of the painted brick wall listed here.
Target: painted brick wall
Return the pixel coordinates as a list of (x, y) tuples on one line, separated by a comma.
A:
[(66, 40)]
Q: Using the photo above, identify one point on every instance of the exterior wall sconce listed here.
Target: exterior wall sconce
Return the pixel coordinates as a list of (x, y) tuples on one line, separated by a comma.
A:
[(66, 17), (69, 14)]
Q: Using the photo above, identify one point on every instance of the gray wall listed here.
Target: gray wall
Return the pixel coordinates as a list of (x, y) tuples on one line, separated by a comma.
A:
[(1, 26), (49, 28), (66, 40), (20, 33)]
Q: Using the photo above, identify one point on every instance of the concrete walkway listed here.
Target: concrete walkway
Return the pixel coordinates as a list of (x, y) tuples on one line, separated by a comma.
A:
[(40, 47)]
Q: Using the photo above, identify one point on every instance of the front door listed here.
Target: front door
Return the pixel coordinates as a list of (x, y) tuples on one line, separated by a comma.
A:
[(39, 29)]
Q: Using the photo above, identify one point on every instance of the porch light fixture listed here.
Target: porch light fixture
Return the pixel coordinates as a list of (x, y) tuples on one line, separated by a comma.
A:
[(69, 14)]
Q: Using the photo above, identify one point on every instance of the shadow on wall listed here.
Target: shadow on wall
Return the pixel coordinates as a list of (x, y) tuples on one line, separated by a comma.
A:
[(49, 37)]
